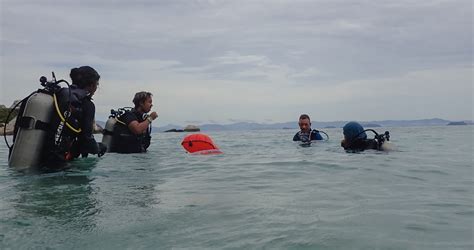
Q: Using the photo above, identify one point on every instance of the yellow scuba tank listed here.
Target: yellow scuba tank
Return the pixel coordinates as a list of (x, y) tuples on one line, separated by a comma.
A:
[(32, 130)]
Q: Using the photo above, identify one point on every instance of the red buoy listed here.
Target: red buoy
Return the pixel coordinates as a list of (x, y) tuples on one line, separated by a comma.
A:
[(200, 144)]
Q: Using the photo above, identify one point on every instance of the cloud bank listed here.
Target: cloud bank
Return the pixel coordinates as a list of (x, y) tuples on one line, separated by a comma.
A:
[(250, 60)]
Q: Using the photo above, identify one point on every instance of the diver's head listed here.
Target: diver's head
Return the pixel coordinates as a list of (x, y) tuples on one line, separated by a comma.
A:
[(353, 134), (304, 123), (86, 78), (353, 131), (143, 101)]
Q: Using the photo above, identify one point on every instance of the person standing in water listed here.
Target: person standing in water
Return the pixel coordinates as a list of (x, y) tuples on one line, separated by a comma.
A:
[(67, 142), (306, 134), (132, 132), (355, 139)]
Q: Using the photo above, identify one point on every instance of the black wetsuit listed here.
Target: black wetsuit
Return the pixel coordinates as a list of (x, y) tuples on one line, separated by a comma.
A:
[(85, 143), (124, 141), (71, 144), (362, 144)]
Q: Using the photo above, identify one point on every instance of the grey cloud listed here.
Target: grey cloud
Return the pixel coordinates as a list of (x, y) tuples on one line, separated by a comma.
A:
[(352, 38), (298, 44)]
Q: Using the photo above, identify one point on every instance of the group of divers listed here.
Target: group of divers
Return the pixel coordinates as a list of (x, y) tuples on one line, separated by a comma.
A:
[(55, 125)]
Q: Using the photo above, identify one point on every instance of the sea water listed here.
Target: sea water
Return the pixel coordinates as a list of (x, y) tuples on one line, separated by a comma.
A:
[(265, 191)]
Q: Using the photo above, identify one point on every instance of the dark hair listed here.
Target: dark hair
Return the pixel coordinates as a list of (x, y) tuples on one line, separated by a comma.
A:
[(304, 116), (141, 97), (84, 76)]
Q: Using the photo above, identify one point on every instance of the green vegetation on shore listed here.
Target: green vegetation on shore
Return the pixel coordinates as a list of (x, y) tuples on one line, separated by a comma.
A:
[(4, 113)]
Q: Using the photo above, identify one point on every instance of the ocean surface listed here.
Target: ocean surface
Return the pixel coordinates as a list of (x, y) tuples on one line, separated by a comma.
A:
[(264, 192)]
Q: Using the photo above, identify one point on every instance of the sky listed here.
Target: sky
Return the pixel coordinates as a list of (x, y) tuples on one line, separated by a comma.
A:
[(250, 61)]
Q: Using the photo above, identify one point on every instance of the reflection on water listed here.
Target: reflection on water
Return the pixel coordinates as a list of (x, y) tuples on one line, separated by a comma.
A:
[(56, 202), (65, 197)]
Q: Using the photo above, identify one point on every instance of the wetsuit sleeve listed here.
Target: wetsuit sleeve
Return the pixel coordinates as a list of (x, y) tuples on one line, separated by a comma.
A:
[(86, 139), (296, 137), (316, 136)]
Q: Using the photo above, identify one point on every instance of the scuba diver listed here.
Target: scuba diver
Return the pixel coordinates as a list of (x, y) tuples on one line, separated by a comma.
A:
[(131, 128), (55, 124), (306, 134), (355, 138)]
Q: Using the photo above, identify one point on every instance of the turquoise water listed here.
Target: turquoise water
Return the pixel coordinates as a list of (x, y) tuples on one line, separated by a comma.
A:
[(263, 192)]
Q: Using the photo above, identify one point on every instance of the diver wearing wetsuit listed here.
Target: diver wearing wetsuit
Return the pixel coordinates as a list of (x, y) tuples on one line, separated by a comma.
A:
[(75, 105), (306, 134), (132, 132), (355, 138)]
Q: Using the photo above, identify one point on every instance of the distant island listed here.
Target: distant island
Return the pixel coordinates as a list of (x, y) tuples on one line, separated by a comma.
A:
[(457, 123), (315, 125), (371, 125), (189, 128), (258, 126)]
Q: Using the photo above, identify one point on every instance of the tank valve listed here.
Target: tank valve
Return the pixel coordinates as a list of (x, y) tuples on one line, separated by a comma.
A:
[(43, 80)]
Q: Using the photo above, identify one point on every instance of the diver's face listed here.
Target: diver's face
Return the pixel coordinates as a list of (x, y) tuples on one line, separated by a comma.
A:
[(146, 105), (92, 88), (305, 125)]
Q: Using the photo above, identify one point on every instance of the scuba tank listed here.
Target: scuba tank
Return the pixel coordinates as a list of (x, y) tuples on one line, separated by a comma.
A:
[(108, 133), (32, 130), (33, 125)]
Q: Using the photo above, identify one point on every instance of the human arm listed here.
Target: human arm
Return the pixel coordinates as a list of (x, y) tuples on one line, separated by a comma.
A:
[(139, 128), (296, 137), (88, 144)]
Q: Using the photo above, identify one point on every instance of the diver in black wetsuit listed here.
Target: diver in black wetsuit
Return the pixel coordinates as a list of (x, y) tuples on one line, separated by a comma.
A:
[(132, 132), (67, 142), (355, 138)]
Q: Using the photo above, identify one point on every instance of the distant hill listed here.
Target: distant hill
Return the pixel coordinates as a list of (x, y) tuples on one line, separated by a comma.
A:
[(371, 125), (100, 123), (315, 124), (159, 129)]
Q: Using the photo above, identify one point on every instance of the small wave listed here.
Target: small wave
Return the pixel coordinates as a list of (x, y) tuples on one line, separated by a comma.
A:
[(417, 227), (445, 205), (410, 177), (428, 171)]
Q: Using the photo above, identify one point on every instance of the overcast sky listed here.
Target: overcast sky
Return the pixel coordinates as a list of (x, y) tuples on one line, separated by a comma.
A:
[(263, 61)]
